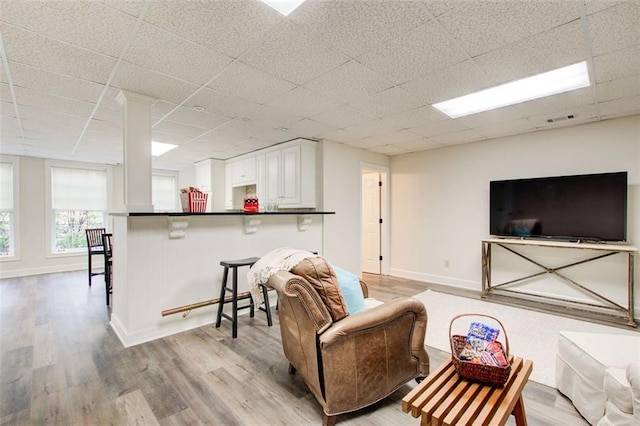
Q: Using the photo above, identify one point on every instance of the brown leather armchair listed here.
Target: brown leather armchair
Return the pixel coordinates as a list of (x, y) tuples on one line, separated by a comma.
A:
[(347, 361)]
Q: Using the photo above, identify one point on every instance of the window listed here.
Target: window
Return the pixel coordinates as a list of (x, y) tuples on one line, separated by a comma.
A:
[(78, 202), (8, 207), (164, 192)]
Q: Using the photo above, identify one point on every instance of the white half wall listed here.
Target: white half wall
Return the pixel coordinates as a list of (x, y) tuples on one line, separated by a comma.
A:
[(440, 198)]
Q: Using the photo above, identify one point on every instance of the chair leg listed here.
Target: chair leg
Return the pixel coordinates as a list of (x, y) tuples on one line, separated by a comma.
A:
[(107, 276), (89, 269), (267, 306), (328, 420), (222, 295)]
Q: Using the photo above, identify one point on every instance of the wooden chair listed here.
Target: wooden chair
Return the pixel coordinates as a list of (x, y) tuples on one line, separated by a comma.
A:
[(94, 247), (107, 244)]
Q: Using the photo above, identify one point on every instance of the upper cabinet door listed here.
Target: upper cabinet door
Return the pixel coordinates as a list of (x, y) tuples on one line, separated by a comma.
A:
[(272, 183), (290, 175)]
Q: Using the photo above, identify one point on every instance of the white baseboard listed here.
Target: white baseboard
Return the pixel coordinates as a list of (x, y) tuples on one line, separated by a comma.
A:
[(15, 273), (437, 279)]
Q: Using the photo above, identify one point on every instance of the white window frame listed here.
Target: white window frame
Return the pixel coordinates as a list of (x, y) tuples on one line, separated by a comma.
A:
[(50, 227), (175, 176), (15, 219)]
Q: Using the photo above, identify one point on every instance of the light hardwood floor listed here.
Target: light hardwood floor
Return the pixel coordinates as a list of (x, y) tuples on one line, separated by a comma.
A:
[(60, 363)]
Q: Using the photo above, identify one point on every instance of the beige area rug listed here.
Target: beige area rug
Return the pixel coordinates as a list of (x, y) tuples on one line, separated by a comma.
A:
[(532, 335)]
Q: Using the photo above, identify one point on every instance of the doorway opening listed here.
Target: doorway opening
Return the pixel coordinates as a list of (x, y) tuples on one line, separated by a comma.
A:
[(374, 222)]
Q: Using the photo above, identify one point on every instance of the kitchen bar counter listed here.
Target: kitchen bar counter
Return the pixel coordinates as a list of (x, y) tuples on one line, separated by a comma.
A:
[(162, 261), (225, 213)]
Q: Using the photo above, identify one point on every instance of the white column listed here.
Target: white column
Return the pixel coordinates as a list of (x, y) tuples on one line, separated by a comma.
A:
[(137, 150)]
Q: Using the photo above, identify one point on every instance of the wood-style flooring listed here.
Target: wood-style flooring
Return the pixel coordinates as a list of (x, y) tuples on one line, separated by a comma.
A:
[(60, 363)]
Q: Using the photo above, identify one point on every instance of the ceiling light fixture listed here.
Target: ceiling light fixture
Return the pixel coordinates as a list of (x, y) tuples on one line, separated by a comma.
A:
[(284, 6), (561, 80), (159, 148), (199, 108)]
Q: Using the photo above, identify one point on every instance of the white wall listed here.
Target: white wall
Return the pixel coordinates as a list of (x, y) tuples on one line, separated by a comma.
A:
[(32, 259), (341, 189), (440, 198)]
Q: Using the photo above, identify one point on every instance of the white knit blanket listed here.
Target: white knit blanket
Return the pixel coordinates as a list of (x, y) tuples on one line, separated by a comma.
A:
[(280, 259)]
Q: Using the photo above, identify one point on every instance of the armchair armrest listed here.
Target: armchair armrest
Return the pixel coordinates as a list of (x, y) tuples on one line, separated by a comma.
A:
[(369, 355), (383, 316)]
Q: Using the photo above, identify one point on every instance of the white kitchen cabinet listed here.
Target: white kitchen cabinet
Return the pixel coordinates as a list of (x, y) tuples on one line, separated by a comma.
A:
[(210, 179), (290, 175), (243, 172)]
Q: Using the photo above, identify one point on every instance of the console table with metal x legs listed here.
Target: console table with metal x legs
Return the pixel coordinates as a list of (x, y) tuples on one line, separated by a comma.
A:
[(600, 251)]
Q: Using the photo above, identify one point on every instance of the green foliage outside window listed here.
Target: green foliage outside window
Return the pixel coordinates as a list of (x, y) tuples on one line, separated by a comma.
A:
[(5, 234), (70, 228)]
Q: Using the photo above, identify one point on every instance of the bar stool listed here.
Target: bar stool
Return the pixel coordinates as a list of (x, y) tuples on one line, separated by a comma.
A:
[(234, 265)]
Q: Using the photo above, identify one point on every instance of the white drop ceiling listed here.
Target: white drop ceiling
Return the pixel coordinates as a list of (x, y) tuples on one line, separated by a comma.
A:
[(357, 72)]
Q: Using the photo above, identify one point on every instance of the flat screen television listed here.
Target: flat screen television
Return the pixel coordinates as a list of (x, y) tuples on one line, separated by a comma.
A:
[(582, 207)]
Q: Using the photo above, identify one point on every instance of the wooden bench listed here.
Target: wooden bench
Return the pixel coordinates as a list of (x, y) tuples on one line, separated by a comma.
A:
[(444, 398)]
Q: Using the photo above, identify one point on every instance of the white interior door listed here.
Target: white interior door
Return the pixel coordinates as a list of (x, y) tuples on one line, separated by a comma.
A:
[(371, 243)]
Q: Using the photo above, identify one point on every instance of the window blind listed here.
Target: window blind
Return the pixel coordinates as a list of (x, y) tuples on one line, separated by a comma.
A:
[(163, 193), (78, 189), (6, 186)]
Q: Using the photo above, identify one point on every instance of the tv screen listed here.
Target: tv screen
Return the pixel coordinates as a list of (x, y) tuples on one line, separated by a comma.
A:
[(581, 207)]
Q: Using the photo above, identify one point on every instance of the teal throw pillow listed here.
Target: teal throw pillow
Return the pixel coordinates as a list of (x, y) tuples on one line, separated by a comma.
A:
[(351, 290)]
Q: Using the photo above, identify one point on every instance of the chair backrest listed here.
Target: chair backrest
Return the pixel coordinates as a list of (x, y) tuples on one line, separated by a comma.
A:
[(107, 244), (94, 237)]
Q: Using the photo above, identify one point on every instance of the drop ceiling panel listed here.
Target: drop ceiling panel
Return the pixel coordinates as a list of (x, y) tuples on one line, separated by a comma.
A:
[(342, 116), (179, 129), (229, 27), (174, 56), (620, 107), (439, 128), (250, 83), (270, 116), (40, 52), (221, 103), (130, 7), (373, 128), (616, 89), (539, 53), (304, 102), (189, 116), (414, 54), (481, 27), (387, 102), (342, 136), (291, 53), (560, 102), (455, 138), (44, 116), (54, 84), (615, 28), (53, 103), (616, 65), (420, 145), (310, 128), (457, 80), (400, 136), (353, 27), (169, 138), (349, 82), (505, 128), (390, 150), (415, 117), (146, 82), (87, 24)]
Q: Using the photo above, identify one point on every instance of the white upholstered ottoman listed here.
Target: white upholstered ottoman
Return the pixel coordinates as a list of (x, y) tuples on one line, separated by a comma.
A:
[(591, 370)]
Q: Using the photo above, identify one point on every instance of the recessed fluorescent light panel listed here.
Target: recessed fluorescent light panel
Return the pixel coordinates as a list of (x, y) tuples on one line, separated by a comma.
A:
[(538, 86), (159, 148), (284, 6)]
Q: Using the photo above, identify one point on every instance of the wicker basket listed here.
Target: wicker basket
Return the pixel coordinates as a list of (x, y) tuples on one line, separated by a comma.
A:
[(478, 372)]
